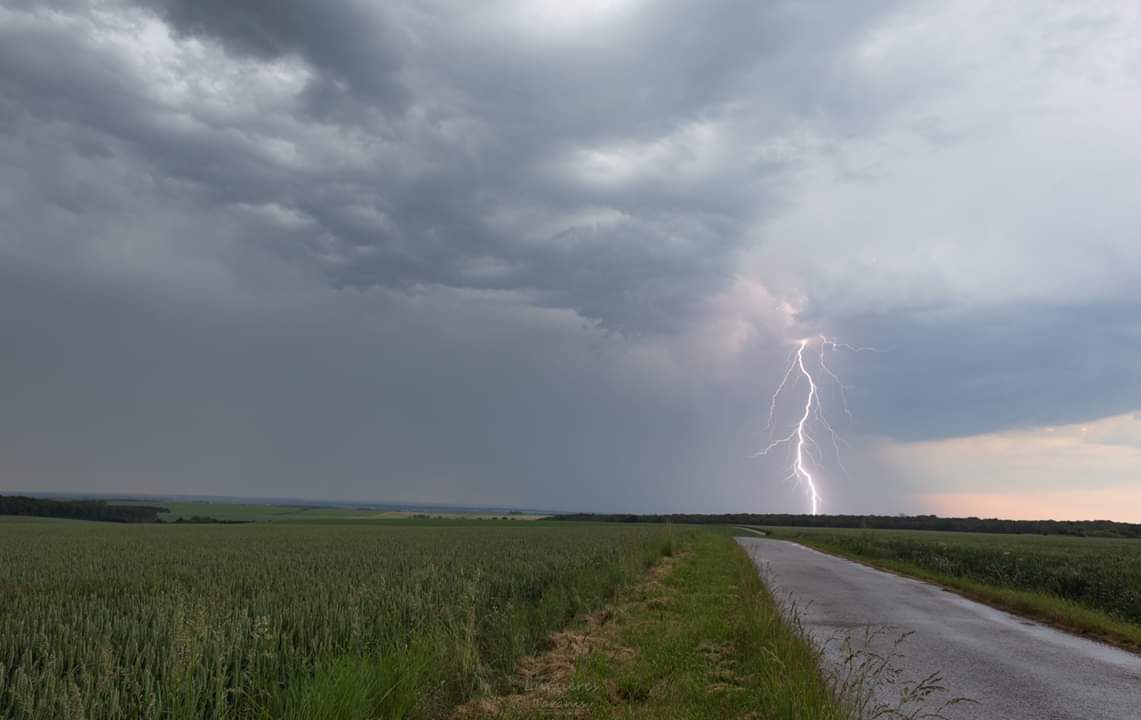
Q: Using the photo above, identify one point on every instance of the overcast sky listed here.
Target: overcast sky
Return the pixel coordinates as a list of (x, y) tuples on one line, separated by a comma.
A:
[(556, 254)]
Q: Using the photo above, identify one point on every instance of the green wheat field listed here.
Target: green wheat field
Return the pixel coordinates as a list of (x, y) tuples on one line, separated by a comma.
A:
[(107, 622)]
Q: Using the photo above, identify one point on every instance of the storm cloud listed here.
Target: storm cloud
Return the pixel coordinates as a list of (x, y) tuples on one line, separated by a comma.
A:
[(553, 254)]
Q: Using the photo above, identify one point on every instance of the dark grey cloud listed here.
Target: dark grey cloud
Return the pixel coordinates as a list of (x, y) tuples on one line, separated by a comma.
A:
[(351, 44), (345, 396), (1000, 369), (505, 250), (482, 176)]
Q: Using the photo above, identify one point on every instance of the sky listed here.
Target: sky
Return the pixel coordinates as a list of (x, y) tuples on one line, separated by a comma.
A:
[(557, 255)]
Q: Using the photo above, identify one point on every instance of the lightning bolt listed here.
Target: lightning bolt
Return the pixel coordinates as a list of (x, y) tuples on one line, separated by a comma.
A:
[(807, 452)]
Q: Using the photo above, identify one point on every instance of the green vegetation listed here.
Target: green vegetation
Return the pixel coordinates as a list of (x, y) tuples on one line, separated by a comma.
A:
[(364, 617), (249, 512), (19, 505), (222, 511), (1090, 585), (304, 621), (1082, 528), (700, 638)]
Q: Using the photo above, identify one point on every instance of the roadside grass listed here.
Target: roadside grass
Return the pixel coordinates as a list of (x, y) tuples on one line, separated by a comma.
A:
[(1006, 572), (700, 637)]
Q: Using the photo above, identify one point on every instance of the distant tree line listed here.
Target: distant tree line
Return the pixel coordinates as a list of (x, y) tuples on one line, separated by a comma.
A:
[(207, 520), (1083, 528), (79, 509)]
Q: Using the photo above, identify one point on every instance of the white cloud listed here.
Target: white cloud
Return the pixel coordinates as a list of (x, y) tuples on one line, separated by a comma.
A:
[(1006, 173), (1100, 455)]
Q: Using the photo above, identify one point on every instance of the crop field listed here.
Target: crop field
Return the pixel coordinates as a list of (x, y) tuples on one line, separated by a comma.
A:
[(1088, 584), (248, 512), (302, 621), (261, 512)]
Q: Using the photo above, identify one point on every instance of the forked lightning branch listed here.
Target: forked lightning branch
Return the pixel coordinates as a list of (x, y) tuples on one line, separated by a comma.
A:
[(805, 453)]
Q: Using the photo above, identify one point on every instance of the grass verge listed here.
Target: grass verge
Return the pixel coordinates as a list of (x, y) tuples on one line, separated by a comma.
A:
[(1048, 609), (434, 671), (700, 637)]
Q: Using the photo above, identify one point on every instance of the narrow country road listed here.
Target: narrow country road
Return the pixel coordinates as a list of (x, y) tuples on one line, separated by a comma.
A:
[(1013, 668)]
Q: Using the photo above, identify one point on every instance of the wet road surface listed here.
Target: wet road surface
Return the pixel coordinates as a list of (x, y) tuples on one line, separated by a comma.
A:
[(1013, 668)]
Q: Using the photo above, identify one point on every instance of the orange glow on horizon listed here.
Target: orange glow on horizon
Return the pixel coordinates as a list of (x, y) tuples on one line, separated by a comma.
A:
[(1120, 504)]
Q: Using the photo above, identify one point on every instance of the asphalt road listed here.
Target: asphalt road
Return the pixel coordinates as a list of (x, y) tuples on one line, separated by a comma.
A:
[(1013, 669)]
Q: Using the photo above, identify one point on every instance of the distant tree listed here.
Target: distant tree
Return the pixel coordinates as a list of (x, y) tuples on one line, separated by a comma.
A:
[(1083, 528), (79, 509)]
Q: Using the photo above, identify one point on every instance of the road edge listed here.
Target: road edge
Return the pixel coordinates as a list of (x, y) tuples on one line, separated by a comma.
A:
[(982, 598)]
